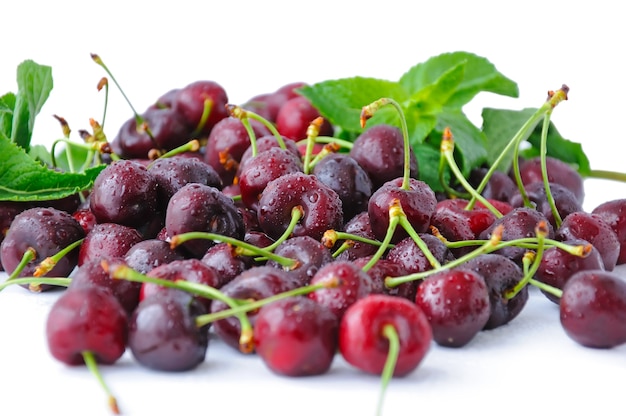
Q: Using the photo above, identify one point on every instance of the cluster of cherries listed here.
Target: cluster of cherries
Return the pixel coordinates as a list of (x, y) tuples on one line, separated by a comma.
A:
[(294, 245)]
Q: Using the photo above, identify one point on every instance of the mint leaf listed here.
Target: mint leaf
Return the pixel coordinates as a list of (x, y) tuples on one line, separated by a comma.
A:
[(34, 83), (469, 142), (428, 165), (7, 104), (24, 179), (340, 101), (479, 75), (501, 125)]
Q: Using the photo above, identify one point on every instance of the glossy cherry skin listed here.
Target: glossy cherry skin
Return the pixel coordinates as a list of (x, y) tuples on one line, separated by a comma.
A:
[(88, 318), (321, 206), (591, 227), (457, 305), (47, 231), (418, 203), (309, 253), (501, 274), (148, 254), (295, 116), (353, 284), (558, 172), (163, 334), (253, 284), (91, 273), (296, 337), (613, 212), (226, 263), (593, 308), (565, 201), (189, 103), (408, 254), (124, 193), (107, 240), (363, 344), (358, 225), (379, 150), (557, 266), (202, 208)]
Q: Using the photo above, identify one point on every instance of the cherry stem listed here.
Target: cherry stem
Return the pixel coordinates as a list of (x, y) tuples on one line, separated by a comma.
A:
[(29, 255), (104, 83), (581, 250), (554, 98), (256, 304), (342, 144), (190, 146), (389, 331), (368, 112), (206, 113), (408, 227), (92, 365), (487, 247), (48, 263), (326, 150), (541, 231), (119, 271), (286, 262), (330, 237), (394, 220), (607, 174), (544, 169), (240, 113), (297, 213), (90, 147), (56, 281), (546, 288), (447, 152), (312, 131)]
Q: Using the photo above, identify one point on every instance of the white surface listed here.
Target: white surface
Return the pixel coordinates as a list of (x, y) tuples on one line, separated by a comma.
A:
[(254, 47)]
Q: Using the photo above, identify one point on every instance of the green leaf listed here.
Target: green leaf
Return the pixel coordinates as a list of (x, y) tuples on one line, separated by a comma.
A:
[(340, 101), (479, 75), (469, 141), (7, 104), (428, 165), (433, 97), (34, 83), (501, 125), (22, 178)]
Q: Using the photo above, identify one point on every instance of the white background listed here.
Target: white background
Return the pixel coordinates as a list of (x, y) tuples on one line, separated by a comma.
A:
[(252, 47)]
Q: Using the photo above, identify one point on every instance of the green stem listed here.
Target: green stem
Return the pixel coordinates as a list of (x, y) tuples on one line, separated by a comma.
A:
[(48, 263), (92, 365), (607, 174), (541, 232), (544, 169), (206, 113), (329, 140), (404, 222), (389, 331), (55, 281), (29, 255), (286, 262), (394, 220), (546, 288), (297, 213)]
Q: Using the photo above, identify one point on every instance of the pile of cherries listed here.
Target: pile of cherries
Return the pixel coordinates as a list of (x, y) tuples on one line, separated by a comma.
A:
[(297, 248)]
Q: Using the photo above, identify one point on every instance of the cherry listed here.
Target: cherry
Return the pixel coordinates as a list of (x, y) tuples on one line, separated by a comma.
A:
[(309, 253), (593, 308), (379, 150), (565, 201), (558, 172), (166, 130), (148, 254), (418, 201), (362, 340), (256, 172), (322, 209), (47, 231), (457, 223), (267, 142), (85, 218), (191, 270), (295, 116), (227, 143), (501, 274), (202, 208), (383, 268), (92, 273), (456, 303), (591, 227), (252, 284), (124, 193), (499, 187), (163, 334), (613, 212), (359, 225), (87, 319), (190, 101), (267, 105), (518, 223), (296, 336), (558, 265), (173, 173), (408, 254), (8, 211), (227, 264), (344, 175), (107, 240), (354, 284)]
